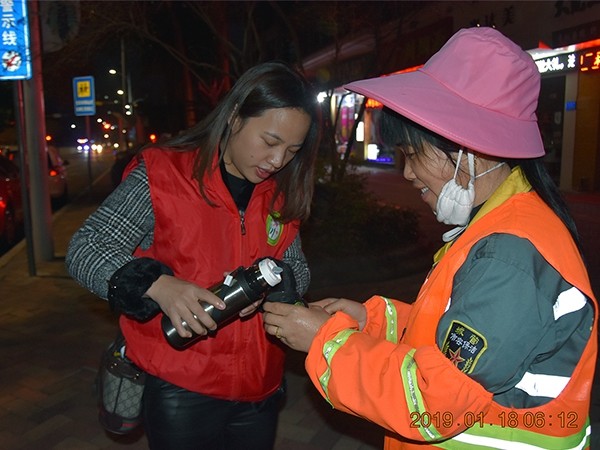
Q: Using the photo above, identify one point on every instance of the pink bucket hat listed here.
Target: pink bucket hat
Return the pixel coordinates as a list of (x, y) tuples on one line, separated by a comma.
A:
[(479, 90)]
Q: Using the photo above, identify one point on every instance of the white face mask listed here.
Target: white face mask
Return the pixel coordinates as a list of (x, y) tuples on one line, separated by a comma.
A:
[(454, 202)]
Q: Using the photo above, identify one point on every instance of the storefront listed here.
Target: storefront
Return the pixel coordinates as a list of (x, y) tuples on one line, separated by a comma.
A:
[(569, 114)]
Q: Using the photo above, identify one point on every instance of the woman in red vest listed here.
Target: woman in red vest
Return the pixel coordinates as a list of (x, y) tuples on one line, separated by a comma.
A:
[(499, 348), (223, 194)]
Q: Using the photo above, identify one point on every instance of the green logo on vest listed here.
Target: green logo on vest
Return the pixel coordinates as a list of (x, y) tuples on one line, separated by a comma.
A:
[(274, 228)]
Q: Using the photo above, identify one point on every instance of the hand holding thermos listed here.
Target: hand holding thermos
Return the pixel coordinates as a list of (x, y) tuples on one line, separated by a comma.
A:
[(239, 289)]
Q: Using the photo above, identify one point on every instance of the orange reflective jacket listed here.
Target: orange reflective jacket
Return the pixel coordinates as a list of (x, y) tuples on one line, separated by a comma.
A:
[(405, 383)]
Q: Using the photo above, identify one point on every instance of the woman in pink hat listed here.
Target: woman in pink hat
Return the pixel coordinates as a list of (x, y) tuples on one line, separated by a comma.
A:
[(499, 348)]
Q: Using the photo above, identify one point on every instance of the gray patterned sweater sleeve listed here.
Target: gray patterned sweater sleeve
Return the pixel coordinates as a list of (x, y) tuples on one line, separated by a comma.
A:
[(294, 257), (107, 239)]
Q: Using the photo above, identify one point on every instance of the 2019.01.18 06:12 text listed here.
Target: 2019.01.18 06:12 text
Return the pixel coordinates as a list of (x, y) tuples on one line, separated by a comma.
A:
[(528, 419)]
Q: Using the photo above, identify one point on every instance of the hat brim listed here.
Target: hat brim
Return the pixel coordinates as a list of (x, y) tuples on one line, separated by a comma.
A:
[(424, 100)]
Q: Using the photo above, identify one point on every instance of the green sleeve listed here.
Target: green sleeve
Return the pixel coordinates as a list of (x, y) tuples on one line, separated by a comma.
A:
[(500, 321)]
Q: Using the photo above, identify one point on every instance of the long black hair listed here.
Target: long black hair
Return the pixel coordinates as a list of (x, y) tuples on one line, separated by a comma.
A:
[(399, 131), (269, 85)]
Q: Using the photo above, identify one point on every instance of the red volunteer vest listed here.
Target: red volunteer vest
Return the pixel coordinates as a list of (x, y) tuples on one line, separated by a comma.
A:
[(200, 242)]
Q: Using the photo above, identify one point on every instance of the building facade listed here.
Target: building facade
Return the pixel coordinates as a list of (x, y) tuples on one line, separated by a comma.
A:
[(563, 37)]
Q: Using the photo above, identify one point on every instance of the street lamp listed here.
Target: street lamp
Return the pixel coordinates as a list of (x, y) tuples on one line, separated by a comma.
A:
[(124, 92), (127, 117)]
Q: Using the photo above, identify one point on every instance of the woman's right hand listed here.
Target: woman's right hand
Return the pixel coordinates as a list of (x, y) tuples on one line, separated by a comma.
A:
[(354, 309), (180, 301)]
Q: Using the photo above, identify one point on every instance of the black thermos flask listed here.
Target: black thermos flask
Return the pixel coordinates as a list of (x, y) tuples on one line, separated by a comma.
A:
[(240, 288)]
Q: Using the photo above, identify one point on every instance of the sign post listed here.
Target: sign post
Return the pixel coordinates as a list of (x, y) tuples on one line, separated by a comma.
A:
[(84, 97), (15, 65)]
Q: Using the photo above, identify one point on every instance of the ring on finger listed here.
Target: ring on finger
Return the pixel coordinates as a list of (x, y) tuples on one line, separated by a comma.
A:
[(278, 333)]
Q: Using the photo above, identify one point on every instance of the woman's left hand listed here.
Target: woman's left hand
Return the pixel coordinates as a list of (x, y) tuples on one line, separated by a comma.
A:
[(296, 326)]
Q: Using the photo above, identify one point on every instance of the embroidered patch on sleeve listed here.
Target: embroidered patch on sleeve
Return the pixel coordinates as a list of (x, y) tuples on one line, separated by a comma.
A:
[(463, 346)]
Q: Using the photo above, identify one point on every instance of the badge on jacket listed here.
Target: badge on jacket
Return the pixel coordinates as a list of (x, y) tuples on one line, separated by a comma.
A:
[(463, 346), (274, 229)]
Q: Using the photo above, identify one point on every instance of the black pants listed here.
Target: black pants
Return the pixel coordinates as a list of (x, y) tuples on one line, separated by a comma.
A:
[(177, 419)]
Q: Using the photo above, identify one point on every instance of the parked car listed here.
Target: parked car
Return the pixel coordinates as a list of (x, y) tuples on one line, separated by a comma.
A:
[(57, 174), (11, 205), (57, 177)]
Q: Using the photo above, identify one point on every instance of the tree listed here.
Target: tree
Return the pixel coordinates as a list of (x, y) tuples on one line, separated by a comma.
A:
[(207, 45), (343, 31)]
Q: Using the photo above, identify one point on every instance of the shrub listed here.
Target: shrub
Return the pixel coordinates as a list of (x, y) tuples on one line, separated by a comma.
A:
[(346, 220)]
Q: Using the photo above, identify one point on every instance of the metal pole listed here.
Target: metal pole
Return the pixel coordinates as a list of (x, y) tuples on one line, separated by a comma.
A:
[(35, 129), (89, 155), (125, 96), (22, 139)]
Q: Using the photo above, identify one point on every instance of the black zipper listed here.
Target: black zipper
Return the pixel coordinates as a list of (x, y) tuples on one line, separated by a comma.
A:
[(242, 221)]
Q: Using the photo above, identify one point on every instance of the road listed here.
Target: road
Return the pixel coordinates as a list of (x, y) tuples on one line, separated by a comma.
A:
[(81, 171)]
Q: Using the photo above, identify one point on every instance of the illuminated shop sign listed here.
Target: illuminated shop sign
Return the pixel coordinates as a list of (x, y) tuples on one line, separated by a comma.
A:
[(557, 63), (589, 60), (373, 104)]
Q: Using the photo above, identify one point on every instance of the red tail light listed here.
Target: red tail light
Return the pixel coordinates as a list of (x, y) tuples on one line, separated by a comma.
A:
[(53, 173)]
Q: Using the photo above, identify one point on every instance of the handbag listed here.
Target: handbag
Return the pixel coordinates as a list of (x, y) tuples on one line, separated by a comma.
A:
[(119, 389)]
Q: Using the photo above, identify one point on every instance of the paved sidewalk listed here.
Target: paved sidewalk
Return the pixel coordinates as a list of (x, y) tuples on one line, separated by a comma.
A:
[(52, 332)]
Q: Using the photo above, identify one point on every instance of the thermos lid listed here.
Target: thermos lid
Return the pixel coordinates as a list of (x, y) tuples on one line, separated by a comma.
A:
[(270, 271)]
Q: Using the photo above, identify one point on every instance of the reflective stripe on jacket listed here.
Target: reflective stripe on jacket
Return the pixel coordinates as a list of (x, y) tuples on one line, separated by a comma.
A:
[(200, 243)]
